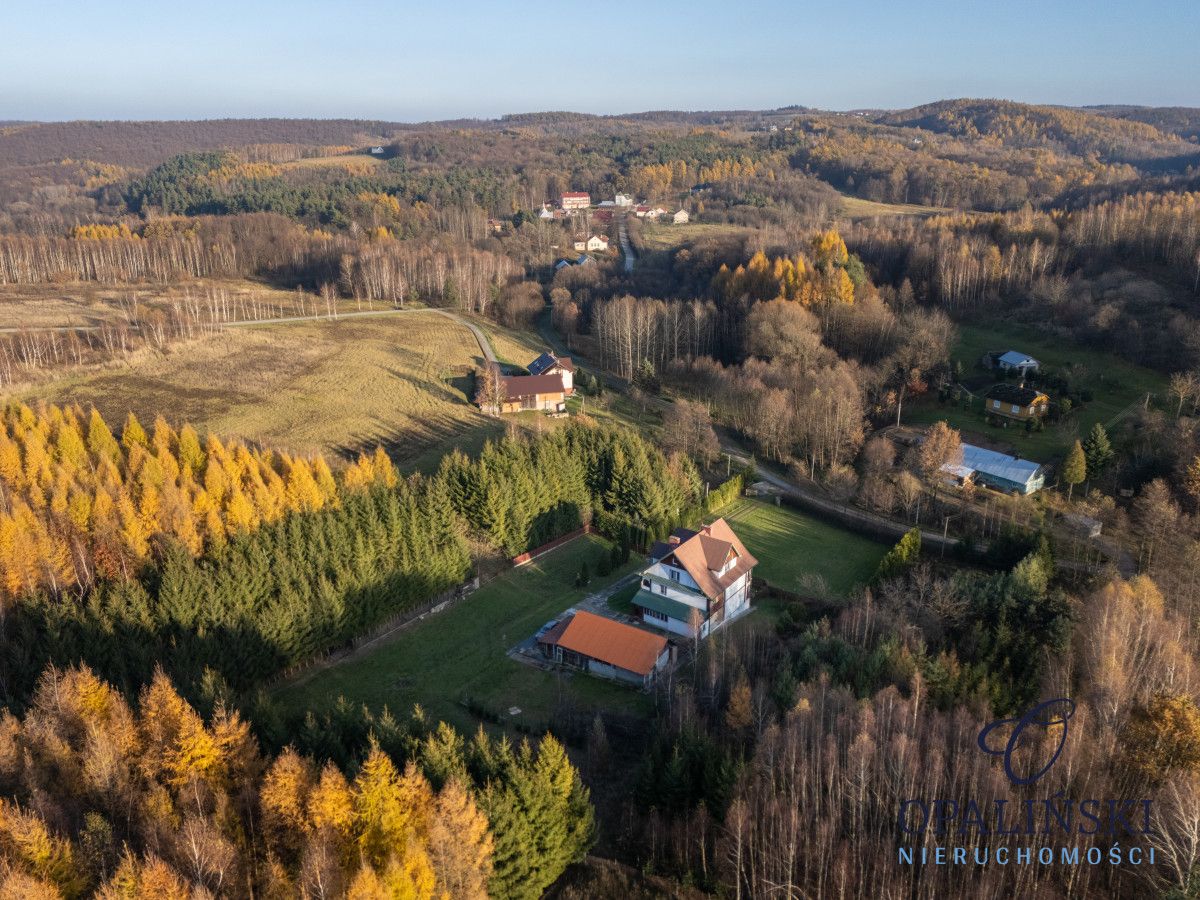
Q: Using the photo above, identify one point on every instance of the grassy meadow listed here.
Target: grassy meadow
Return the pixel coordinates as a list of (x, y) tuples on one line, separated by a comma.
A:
[(792, 547), (855, 208), (335, 386), (1116, 386), (462, 652)]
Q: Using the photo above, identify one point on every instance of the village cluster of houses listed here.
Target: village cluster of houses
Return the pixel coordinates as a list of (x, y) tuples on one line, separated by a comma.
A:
[(694, 583), (572, 202)]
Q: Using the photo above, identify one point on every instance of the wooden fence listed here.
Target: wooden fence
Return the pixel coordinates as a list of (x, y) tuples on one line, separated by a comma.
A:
[(531, 555)]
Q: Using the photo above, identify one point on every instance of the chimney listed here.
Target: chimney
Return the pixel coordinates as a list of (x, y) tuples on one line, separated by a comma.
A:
[(673, 540)]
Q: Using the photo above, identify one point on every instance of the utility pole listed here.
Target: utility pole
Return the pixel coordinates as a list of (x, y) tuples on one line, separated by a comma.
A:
[(946, 529)]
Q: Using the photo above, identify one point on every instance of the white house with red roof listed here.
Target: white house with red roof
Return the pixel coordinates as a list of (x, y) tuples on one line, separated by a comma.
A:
[(696, 581)]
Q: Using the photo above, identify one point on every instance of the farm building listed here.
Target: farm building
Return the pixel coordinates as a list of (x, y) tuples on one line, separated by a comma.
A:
[(681, 217), (544, 392), (623, 200), (997, 470), (576, 200), (1015, 401), (606, 648), (549, 364), (1013, 361), (696, 581)]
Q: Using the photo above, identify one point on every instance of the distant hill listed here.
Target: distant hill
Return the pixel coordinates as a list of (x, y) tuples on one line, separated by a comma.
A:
[(149, 143), (1154, 138), (1025, 125), (1183, 121)]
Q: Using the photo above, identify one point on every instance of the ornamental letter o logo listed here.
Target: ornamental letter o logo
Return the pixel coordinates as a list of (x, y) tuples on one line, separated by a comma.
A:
[(1045, 715)]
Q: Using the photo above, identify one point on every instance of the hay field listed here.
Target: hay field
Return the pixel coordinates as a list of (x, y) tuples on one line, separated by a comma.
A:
[(333, 386)]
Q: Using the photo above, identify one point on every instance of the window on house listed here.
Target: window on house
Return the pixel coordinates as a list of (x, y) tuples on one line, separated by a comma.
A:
[(654, 614), (995, 404), (674, 573), (1016, 408)]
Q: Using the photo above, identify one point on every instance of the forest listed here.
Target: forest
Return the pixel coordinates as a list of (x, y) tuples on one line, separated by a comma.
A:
[(820, 332)]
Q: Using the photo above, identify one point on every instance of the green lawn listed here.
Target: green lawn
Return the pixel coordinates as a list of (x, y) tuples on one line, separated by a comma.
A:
[(1115, 385), (462, 652), (790, 544)]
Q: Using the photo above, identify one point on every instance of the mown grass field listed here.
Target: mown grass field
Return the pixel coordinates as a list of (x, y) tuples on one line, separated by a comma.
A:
[(791, 547), (1116, 386), (664, 235), (332, 386), (858, 208), (462, 652)]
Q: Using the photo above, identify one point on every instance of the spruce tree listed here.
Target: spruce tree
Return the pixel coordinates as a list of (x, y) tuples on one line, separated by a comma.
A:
[(1097, 450)]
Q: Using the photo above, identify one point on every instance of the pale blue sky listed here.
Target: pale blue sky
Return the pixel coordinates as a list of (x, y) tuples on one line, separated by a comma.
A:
[(137, 59)]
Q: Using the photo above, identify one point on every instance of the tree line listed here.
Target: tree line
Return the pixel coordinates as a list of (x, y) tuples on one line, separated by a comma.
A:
[(282, 587), (104, 798)]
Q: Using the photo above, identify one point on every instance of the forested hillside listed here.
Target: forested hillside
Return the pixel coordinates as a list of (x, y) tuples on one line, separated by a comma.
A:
[(211, 645)]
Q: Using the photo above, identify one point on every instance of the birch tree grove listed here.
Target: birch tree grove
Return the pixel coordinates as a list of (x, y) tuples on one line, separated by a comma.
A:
[(631, 331)]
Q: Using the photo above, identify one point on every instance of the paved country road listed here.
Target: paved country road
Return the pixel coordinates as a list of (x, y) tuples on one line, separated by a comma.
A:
[(626, 246)]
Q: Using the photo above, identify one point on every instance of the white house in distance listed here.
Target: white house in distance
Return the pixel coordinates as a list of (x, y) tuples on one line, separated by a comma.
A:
[(549, 364), (623, 200), (696, 581), (576, 200), (681, 217), (594, 244)]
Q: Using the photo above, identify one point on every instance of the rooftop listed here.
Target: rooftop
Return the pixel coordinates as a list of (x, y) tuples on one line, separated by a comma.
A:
[(612, 642), (1013, 393), (548, 361), (707, 551), (528, 385), (999, 465), (665, 605), (1016, 358)]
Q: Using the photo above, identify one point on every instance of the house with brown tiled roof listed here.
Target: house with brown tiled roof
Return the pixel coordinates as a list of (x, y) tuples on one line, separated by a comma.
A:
[(605, 647), (696, 581)]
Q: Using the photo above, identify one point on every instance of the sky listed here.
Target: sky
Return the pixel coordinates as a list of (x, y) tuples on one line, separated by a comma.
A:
[(439, 59)]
